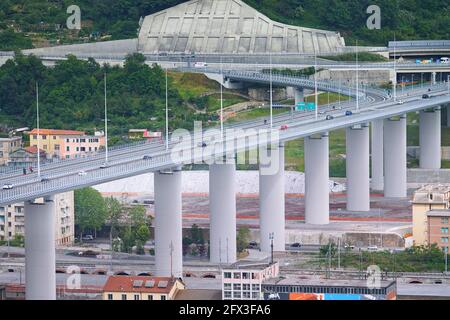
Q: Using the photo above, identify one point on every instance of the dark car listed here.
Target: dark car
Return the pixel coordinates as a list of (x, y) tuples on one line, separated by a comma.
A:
[(329, 117), (348, 113), (426, 96), (45, 179), (147, 158), (296, 245), (252, 245)]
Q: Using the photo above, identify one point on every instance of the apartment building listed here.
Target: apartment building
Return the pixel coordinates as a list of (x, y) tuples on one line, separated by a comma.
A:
[(26, 157), (428, 199), (7, 146), (67, 144), (12, 220), (438, 228), (142, 288), (242, 281)]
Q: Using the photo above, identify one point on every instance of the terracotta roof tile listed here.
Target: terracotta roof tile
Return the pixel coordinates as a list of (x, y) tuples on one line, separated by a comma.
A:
[(58, 132), (125, 284)]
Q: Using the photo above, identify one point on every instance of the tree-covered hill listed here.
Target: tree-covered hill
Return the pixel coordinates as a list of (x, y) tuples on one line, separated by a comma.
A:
[(22, 20)]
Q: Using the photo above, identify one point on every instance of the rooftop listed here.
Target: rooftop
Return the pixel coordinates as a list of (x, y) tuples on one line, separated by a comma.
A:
[(141, 284), (57, 132), (433, 193), (199, 294), (33, 150), (438, 213), (297, 281), (247, 265)]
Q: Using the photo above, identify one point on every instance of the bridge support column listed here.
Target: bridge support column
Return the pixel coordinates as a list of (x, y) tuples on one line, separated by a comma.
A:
[(222, 202), (271, 204), (40, 273), (395, 185), (377, 155), (299, 94), (358, 187), (430, 139), (317, 196), (168, 224), (433, 78)]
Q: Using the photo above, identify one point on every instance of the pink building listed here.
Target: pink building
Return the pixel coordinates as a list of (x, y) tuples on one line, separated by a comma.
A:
[(81, 146)]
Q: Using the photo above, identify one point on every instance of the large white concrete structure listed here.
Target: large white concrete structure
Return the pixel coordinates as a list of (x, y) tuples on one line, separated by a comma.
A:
[(395, 157), (430, 139), (317, 198), (358, 187), (168, 224), (377, 155), (40, 263), (222, 202), (272, 205), (228, 26)]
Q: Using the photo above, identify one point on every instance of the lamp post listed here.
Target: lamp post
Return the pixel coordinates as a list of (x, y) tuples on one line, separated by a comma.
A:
[(106, 125), (167, 112), (271, 237)]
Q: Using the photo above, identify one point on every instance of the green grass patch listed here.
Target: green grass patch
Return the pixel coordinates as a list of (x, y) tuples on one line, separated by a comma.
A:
[(362, 56)]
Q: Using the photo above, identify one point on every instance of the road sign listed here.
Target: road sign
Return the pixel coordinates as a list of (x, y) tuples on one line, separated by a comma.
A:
[(311, 106), (300, 106)]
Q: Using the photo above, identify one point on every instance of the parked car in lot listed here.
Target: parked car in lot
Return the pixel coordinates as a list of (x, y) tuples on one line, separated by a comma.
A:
[(87, 253), (8, 186), (372, 248), (252, 245), (349, 246), (88, 237)]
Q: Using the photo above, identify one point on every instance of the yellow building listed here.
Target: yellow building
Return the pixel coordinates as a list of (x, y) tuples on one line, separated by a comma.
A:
[(141, 288), (428, 198), (52, 141)]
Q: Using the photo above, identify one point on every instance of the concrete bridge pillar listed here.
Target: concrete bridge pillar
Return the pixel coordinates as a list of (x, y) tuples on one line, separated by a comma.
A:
[(433, 78), (168, 224), (222, 202), (317, 197), (377, 155), (395, 185), (272, 203), (40, 273), (430, 139), (299, 94), (358, 186)]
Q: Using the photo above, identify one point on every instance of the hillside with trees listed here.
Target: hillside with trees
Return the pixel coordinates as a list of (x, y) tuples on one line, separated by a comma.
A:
[(24, 23)]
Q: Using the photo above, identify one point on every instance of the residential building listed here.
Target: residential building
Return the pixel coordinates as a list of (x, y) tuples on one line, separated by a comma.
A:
[(297, 288), (7, 146), (67, 144), (242, 281), (142, 288), (26, 157), (428, 198), (438, 228), (12, 220)]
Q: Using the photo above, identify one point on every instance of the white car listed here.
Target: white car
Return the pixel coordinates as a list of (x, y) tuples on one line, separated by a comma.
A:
[(400, 102), (82, 173), (8, 186)]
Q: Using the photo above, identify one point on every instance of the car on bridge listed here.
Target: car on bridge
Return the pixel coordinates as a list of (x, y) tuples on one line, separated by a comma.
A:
[(147, 158), (426, 96), (8, 186), (45, 179), (400, 102), (329, 117), (348, 113), (284, 127), (82, 173), (104, 166)]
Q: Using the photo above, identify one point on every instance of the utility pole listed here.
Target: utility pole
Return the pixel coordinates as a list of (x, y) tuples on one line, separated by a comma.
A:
[(106, 125), (357, 78), (38, 132), (271, 236), (167, 112), (221, 100), (271, 93), (395, 70), (171, 259), (315, 86)]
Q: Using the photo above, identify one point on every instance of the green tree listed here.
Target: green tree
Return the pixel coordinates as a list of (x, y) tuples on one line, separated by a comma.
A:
[(90, 210), (242, 239)]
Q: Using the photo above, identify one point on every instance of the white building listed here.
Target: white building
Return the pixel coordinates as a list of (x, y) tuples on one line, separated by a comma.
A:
[(12, 220), (242, 281)]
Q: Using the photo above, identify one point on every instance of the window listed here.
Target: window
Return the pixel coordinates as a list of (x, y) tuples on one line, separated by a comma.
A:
[(236, 286), (83, 149), (444, 230), (163, 297), (444, 220), (35, 136), (136, 297), (67, 148), (237, 294), (245, 275), (78, 149), (227, 275), (82, 140), (56, 147), (246, 286), (149, 297), (444, 239), (124, 297), (110, 296), (246, 295), (45, 147), (255, 287), (67, 140), (44, 137), (54, 137), (227, 294), (236, 275), (227, 286)]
